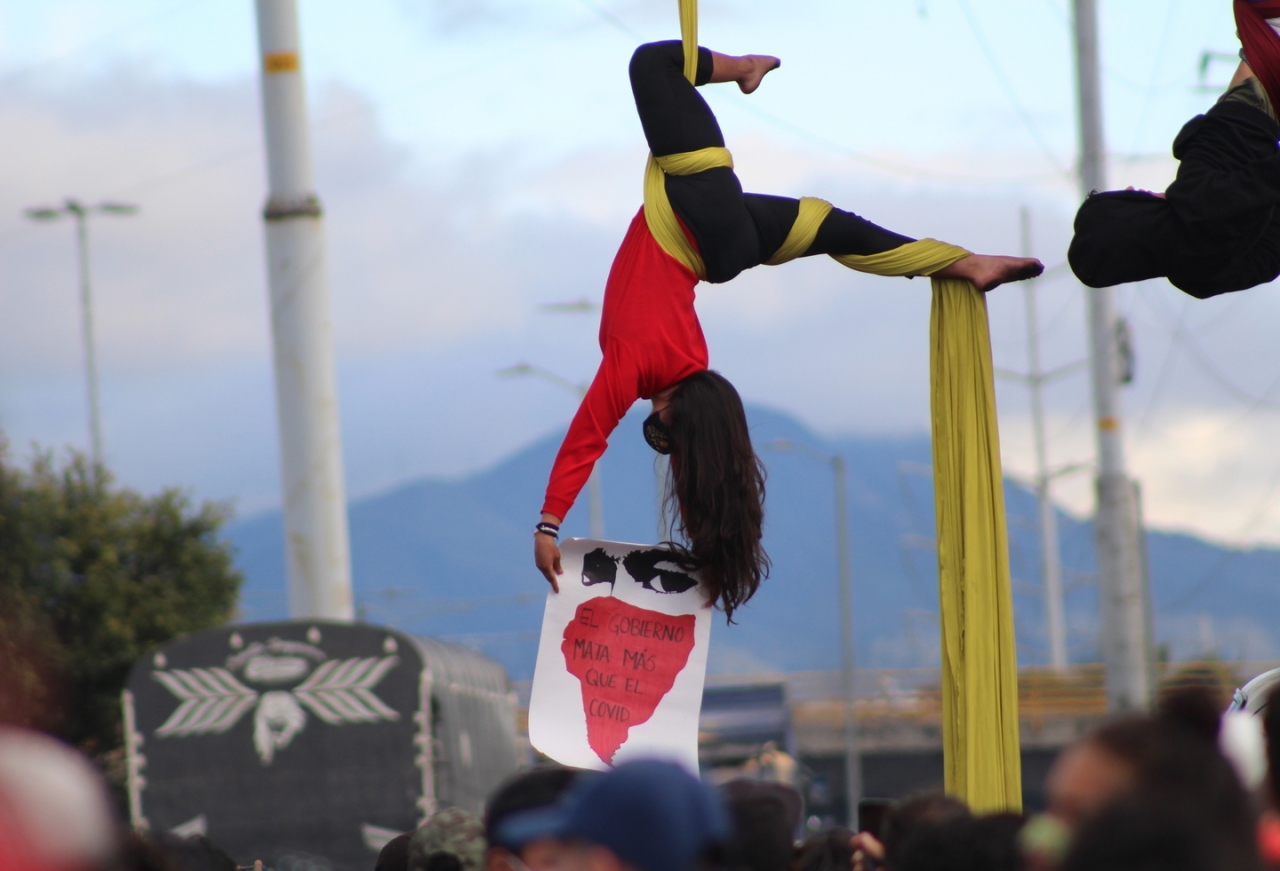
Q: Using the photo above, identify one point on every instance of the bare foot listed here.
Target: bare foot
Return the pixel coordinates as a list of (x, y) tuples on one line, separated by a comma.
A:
[(759, 65), (747, 70), (988, 272)]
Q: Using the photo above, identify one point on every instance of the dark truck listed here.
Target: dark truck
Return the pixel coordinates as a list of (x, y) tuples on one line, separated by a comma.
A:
[(309, 744)]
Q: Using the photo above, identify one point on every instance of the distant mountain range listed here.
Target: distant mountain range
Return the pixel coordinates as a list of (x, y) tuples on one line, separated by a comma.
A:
[(451, 558)]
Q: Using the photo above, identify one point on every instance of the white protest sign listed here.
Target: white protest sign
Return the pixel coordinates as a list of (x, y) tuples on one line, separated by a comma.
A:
[(622, 660)]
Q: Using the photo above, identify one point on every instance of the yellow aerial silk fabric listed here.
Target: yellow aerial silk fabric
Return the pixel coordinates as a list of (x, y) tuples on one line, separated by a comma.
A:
[(658, 213), (980, 748), (981, 756)]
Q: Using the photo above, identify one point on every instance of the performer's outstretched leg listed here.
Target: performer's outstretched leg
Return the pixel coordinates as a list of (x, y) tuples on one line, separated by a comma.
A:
[(737, 231)]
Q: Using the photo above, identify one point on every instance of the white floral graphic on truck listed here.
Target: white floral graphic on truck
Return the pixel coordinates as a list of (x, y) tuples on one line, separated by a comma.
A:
[(338, 691)]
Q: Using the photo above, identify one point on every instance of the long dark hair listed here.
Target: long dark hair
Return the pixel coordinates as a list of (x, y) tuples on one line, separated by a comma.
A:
[(717, 484)]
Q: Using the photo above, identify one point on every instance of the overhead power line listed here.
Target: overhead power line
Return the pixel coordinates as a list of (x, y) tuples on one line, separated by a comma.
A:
[(1023, 114)]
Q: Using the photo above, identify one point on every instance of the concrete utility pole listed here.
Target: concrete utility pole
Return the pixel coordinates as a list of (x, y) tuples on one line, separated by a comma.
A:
[(1125, 650), (848, 676), (315, 504), (1050, 563), (80, 212)]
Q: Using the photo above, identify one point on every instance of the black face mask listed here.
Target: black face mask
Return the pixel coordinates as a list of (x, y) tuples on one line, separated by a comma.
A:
[(656, 434)]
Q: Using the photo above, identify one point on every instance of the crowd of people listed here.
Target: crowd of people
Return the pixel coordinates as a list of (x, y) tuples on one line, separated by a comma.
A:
[(1166, 791)]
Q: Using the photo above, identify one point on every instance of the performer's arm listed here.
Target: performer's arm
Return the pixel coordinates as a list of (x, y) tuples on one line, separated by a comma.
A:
[(610, 396)]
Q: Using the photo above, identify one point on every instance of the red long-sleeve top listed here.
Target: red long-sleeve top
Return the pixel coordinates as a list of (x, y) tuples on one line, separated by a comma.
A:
[(650, 337)]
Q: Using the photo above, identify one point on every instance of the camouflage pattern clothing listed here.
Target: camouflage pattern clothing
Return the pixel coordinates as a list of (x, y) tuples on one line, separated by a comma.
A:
[(451, 831)]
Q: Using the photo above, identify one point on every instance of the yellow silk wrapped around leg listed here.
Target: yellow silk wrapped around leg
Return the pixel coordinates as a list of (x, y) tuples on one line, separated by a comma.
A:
[(979, 657)]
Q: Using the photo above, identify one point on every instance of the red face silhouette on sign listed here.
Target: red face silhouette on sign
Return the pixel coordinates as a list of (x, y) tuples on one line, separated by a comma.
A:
[(626, 659)]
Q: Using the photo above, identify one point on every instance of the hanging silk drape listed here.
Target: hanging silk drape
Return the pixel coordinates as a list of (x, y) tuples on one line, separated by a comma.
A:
[(981, 755), (980, 751)]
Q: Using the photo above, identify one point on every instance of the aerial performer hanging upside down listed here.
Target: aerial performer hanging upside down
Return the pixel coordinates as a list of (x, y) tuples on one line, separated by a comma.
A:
[(697, 224), (1217, 227)]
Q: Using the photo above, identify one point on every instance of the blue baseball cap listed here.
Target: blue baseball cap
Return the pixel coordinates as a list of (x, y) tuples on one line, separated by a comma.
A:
[(654, 816)]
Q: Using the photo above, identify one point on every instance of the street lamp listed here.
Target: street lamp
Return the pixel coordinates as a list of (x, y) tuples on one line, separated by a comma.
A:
[(520, 370), (852, 762), (81, 213)]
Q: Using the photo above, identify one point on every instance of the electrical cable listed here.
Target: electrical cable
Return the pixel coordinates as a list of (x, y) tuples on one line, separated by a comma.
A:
[(739, 101), (1165, 368), (1171, 6), (1198, 355), (1008, 88)]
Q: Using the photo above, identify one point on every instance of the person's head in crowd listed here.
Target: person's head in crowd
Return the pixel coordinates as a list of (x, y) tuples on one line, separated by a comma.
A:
[(1271, 731), (196, 853), (960, 843), (1142, 833), (765, 817), (394, 855), (1269, 825), (928, 809), (139, 852), (641, 816), (452, 840), (1173, 755), (1175, 750), (539, 787), (55, 814), (831, 850)]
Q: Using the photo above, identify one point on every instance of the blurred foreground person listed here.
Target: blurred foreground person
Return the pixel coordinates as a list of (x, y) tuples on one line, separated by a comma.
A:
[(539, 787), (1173, 757), (394, 855), (1143, 833), (55, 814), (765, 817), (1269, 823), (452, 840), (196, 853), (831, 850), (968, 843), (640, 816), (903, 820)]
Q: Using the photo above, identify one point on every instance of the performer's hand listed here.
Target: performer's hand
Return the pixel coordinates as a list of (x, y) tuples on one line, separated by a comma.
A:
[(546, 556)]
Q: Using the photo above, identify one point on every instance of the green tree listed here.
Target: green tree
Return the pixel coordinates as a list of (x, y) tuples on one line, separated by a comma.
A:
[(92, 577)]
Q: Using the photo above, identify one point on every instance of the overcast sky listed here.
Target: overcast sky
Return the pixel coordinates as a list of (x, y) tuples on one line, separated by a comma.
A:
[(478, 158)]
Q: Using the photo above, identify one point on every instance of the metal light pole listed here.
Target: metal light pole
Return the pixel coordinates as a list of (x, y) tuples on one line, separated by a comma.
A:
[(315, 504), (1125, 649), (81, 212), (580, 390), (1036, 378), (1051, 564), (852, 760)]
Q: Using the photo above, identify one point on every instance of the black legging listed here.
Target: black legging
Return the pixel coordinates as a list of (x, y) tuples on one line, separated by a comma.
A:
[(1218, 229), (734, 231)]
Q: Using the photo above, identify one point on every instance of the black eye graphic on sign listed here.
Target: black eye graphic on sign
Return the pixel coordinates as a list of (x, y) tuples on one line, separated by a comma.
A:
[(643, 565), (599, 568)]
